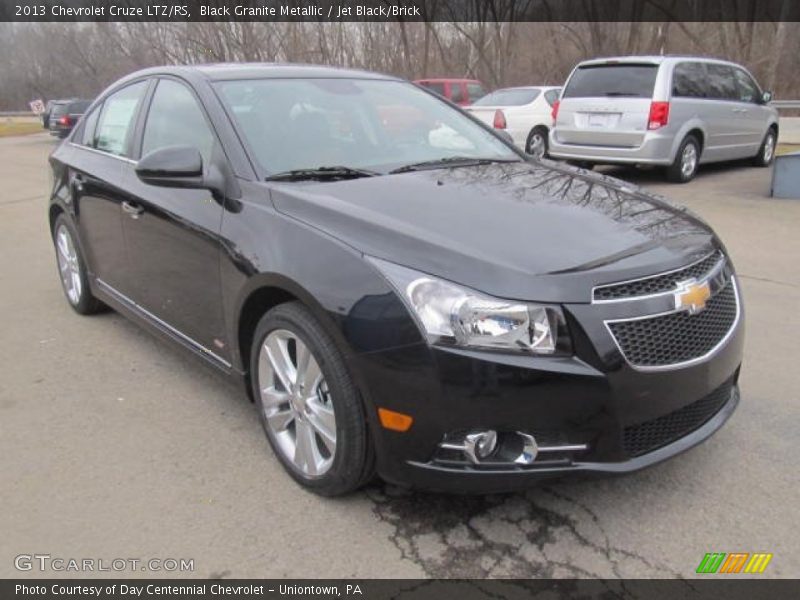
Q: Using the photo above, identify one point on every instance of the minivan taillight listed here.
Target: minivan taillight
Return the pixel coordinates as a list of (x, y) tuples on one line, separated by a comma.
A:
[(499, 119), (64, 120), (659, 115), (554, 112)]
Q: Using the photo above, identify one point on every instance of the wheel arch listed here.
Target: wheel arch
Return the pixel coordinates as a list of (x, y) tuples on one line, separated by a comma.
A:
[(266, 291), (694, 128)]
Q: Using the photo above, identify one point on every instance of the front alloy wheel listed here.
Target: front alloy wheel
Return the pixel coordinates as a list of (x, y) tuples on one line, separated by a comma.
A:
[(308, 404), (766, 153), (297, 403)]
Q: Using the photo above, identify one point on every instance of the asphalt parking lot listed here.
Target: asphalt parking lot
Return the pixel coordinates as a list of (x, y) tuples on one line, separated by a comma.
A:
[(118, 445)]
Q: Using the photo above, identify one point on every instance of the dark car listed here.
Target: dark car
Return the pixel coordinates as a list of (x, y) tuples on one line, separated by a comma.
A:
[(421, 301), (46, 114), (64, 115)]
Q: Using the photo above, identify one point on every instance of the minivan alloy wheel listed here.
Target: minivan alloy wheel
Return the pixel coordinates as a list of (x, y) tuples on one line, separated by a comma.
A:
[(769, 148), (688, 160), (297, 403), (68, 265)]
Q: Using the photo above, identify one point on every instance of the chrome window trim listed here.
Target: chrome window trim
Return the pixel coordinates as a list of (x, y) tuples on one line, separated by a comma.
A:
[(715, 269), (195, 344), (686, 363), (102, 153)]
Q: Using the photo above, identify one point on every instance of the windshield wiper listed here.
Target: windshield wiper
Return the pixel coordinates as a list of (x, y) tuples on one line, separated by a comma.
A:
[(322, 173), (461, 161), (626, 94)]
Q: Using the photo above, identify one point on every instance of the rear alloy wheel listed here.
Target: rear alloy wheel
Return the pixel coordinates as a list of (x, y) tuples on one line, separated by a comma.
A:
[(766, 154), (536, 145), (72, 269), (684, 167), (308, 403)]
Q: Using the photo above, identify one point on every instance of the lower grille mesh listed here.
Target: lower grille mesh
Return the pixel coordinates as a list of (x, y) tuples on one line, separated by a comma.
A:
[(677, 337), (650, 435)]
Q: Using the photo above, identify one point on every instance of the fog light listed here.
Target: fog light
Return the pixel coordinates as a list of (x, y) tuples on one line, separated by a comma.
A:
[(480, 445)]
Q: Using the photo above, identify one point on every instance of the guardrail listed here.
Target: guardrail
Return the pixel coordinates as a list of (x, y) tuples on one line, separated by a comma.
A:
[(779, 104)]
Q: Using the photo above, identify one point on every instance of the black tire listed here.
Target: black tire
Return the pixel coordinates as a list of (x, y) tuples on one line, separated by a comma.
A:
[(83, 302), (766, 153), (537, 131), (353, 460), (676, 173)]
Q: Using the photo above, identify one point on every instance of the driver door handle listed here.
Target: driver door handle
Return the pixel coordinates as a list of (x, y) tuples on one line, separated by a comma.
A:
[(134, 210)]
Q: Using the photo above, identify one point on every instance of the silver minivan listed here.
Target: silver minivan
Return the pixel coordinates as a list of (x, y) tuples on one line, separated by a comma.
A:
[(675, 111)]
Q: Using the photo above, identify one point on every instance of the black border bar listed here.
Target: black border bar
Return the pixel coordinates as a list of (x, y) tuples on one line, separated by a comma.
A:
[(400, 10), (711, 587)]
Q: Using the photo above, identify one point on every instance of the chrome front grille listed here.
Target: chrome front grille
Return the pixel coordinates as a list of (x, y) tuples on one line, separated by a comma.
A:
[(657, 284), (678, 337)]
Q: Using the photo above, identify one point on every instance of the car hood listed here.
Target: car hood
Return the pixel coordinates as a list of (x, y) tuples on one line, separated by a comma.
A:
[(536, 231)]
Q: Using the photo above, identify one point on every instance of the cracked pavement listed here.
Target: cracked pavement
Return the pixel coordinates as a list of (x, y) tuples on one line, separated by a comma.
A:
[(116, 444)]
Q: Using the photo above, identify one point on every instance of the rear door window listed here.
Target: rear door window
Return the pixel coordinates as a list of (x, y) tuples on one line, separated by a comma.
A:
[(689, 80), (116, 121), (721, 82), (610, 80)]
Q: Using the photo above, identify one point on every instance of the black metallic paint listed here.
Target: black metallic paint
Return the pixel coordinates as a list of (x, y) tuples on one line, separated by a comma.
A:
[(200, 263)]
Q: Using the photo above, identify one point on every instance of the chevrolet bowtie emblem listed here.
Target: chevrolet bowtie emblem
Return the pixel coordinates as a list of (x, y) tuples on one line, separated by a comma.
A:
[(692, 296)]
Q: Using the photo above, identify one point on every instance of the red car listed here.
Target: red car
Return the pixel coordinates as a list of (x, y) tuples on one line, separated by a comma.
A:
[(459, 91)]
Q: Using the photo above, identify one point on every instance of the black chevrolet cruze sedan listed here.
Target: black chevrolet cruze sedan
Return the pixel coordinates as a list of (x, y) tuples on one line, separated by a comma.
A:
[(398, 288)]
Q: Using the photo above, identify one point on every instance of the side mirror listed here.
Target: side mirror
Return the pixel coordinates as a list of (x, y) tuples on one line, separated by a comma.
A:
[(766, 97), (173, 166)]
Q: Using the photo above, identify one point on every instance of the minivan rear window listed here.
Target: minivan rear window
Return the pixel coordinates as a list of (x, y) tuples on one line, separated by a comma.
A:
[(623, 80)]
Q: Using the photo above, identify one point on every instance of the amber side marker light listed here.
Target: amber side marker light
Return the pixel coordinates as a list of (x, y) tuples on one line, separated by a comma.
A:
[(394, 420)]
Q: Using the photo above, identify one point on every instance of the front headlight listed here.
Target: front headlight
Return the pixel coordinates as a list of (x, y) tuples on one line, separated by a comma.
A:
[(452, 314)]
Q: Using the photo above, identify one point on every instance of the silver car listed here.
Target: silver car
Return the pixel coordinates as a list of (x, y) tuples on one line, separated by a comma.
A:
[(675, 111)]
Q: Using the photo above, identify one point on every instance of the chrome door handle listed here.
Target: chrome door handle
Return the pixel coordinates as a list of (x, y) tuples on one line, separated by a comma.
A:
[(133, 210)]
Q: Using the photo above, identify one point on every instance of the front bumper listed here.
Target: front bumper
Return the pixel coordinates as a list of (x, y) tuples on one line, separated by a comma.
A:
[(594, 398)]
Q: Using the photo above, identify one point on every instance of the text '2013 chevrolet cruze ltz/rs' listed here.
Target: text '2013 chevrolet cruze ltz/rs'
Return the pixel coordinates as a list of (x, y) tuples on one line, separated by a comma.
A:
[(401, 291)]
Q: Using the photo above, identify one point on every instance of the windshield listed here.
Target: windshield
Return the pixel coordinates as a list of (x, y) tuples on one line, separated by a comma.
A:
[(509, 97), (631, 80), (293, 124)]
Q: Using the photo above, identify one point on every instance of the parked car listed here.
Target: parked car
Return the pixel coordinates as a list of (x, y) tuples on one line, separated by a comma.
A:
[(419, 301), (46, 114), (459, 91), (675, 111), (524, 112), (64, 115)]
